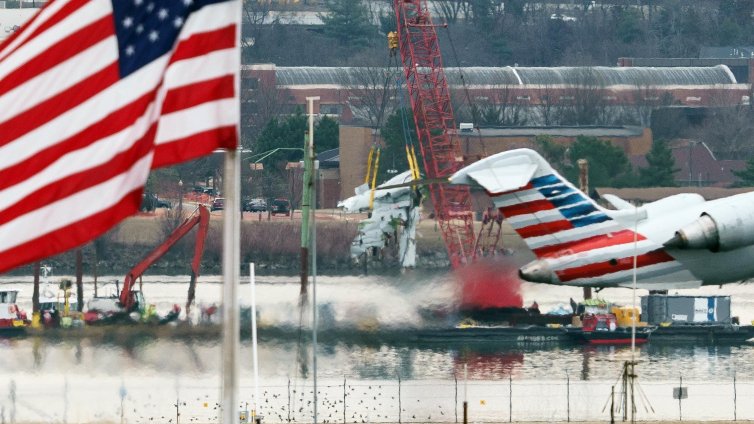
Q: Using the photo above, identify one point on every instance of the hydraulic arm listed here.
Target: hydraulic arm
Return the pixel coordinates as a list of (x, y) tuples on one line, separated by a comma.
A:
[(201, 218)]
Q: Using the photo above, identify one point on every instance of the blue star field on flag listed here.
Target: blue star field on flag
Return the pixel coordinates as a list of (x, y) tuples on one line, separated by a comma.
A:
[(147, 29)]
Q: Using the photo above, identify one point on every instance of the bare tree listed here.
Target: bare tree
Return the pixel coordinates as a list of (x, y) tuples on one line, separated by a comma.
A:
[(372, 93), (508, 109), (548, 105), (646, 98), (584, 102), (450, 10), (255, 15), (260, 103), (728, 129)]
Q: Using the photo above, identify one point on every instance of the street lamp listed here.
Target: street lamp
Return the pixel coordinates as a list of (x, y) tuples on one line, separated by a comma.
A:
[(180, 195)]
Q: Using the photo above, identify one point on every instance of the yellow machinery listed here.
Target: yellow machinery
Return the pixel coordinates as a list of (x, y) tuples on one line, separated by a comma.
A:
[(626, 315)]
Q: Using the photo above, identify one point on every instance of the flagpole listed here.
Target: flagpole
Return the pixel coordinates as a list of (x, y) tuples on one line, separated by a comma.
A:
[(232, 259), (231, 275)]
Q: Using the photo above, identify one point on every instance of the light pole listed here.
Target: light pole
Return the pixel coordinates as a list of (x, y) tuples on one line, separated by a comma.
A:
[(180, 196)]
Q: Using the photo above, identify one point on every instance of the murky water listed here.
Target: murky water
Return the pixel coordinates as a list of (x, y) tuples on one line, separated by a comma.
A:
[(80, 378)]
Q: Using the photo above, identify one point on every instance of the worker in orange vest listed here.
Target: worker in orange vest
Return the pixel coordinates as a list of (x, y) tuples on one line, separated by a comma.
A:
[(392, 42)]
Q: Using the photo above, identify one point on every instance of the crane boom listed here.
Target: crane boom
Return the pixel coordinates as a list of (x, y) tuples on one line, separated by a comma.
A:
[(202, 219), (435, 126)]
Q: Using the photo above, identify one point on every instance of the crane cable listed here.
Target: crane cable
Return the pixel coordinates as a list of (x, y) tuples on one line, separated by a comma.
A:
[(373, 161), (474, 109), (413, 163)]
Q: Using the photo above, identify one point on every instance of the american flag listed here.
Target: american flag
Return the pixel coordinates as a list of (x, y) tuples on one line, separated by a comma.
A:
[(94, 94)]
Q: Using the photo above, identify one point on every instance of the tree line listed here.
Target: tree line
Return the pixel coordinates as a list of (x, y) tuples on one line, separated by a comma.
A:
[(503, 32)]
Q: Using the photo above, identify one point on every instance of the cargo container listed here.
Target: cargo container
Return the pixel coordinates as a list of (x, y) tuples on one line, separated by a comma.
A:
[(657, 309)]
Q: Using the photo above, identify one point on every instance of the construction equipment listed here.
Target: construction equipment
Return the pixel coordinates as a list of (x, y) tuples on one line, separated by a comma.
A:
[(130, 299), (435, 126)]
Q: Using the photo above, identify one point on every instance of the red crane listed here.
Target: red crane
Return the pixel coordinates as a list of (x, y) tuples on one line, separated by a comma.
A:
[(127, 296), (435, 126)]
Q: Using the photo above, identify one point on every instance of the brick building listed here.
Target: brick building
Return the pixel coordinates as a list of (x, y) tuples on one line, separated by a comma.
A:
[(350, 93)]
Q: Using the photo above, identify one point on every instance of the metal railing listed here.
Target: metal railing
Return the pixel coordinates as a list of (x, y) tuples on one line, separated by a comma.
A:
[(190, 399)]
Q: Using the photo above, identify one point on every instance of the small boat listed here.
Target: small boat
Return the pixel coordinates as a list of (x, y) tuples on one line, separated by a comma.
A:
[(12, 320), (604, 329), (57, 301)]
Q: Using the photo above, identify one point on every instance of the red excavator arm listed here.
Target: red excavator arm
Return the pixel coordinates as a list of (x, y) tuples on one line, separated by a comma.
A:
[(200, 217)]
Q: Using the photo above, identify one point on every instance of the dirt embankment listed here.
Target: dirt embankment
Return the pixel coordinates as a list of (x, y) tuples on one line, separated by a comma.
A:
[(274, 243)]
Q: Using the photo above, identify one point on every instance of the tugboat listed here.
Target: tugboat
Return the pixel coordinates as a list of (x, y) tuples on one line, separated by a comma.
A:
[(599, 322), (603, 329)]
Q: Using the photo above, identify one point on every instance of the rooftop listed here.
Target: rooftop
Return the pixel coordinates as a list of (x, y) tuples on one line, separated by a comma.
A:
[(504, 76), (622, 131)]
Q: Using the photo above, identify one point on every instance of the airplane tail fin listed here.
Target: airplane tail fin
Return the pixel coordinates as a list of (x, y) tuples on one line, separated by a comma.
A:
[(546, 210)]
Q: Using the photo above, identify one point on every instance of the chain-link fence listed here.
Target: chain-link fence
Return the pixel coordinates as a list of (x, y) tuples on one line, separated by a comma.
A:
[(142, 399)]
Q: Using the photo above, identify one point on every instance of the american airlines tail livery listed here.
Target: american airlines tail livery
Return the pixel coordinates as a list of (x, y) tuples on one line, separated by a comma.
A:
[(680, 241)]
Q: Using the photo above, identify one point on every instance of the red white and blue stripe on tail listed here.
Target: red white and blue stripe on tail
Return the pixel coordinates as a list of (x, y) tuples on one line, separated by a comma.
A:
[(575, 240)]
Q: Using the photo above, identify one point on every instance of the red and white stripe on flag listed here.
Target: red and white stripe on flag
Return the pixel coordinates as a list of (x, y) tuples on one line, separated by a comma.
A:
[(78, 139)]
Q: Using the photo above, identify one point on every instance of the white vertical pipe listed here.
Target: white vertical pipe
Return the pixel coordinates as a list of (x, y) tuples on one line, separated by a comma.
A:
[(231, 277), (313, 251), (633, 311), (255, 354)]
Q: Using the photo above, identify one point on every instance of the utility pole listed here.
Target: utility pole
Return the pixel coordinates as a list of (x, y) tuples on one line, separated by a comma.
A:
[(79, 279), (35, 293), (306, 197), (313, 197)]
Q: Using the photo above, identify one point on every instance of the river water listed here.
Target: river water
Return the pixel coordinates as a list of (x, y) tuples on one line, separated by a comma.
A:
[(79, 379)]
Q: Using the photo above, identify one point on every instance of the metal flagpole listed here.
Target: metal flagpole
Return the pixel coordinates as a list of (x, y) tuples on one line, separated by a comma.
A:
[(231, 265), (232, 262)]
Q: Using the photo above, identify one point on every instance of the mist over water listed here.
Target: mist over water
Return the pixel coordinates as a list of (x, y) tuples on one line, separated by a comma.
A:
[(411, 301)]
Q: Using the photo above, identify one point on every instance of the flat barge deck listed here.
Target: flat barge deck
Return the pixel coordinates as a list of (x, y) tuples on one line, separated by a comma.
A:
[(531, 335)]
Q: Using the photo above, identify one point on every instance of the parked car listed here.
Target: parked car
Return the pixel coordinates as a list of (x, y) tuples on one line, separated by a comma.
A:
[(210, 191), (150, 202), (218, 204), (281, 206), (162, 203), (255, 205)]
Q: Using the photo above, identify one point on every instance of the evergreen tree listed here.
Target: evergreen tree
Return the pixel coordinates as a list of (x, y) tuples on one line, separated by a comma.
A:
[(393, 155), (289, 133), (608, 165), (553, 153), (348, 21), (661, 167), (286, 133), (746, 175), (628, 28), (326, 134)]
